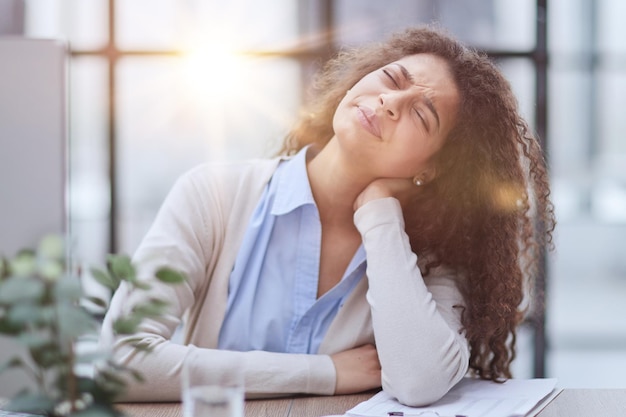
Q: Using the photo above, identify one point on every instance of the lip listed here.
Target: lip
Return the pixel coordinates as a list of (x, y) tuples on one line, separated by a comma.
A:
[(368, 119)]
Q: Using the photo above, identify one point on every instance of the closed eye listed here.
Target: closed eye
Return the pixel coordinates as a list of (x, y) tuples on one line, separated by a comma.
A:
[(423, 119), (390, 76), (425, 99)]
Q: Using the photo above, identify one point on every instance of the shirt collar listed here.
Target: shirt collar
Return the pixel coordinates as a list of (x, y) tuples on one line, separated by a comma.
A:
[(292, 186)]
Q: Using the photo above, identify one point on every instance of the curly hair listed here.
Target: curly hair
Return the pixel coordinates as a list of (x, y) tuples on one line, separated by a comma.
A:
[(487, 213)]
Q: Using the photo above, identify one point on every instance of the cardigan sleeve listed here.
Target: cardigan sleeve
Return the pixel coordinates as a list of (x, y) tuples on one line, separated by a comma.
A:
[(187, 232), (416, 320)]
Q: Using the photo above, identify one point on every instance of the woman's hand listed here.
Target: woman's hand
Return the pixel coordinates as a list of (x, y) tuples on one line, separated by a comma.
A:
[(385, 187), (357, 370)]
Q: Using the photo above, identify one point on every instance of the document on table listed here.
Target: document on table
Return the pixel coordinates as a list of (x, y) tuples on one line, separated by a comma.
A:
[(470, 398)]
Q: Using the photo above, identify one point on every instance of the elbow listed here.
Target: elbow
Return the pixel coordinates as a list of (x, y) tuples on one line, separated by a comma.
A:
[(416, 394), (424, 387), (421, 391)]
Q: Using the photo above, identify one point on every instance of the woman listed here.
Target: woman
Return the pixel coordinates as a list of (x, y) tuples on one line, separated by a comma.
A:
[(390, 248)]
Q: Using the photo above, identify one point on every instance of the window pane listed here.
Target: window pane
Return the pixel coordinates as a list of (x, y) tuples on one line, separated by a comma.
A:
[(89, 177), (569, 130), (609, 192), (248, 24), (148, 24), (82, 22), (514, 26), (492, 24), (362, 21), (612, 101), (586, 98), (587, 155), (569, 28), (484, 23), (172, 24), (611, 16), (521, 74), (173, 116)]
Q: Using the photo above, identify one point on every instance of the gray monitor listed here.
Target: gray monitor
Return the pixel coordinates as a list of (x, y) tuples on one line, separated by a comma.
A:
[(33, 148)]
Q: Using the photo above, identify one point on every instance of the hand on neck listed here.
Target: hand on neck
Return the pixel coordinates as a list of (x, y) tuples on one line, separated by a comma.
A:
[(336, 181)]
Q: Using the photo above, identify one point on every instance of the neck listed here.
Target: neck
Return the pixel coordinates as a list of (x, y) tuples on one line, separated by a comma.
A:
[(335, 182)]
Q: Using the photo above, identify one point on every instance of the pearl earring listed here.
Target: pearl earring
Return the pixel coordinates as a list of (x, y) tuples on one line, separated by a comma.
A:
[(418, 181)]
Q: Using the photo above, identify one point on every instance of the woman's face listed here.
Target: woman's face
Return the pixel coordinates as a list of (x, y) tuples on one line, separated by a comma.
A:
[(397, 117)]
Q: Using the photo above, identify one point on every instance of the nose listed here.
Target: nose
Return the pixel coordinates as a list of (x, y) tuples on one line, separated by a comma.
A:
[(390, 104)]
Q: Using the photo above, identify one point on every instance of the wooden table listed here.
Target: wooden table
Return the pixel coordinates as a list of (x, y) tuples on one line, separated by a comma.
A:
[(569, 403), (280, 407)]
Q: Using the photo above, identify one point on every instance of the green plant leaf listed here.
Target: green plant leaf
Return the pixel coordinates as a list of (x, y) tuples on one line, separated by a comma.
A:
[(14, 362), (51, 247), (126, 325), (48, 355), (24, 264), (143, 347), (105, 279), (51, 269), (25, 313), (99, 302), (4, 268), (121, 267), (152, 308), (7, 327), (170, 276), (111, 378), (68, 289), (41, 306), (16, 290), (74, 322), (34, 340), (30, 403), (48, 314), (141, 285)]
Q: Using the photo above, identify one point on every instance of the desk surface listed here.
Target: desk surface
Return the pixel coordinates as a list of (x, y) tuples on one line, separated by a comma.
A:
[(570, 403)]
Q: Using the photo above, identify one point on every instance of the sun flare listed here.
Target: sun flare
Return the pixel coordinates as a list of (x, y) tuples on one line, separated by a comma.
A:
[(213, 72)]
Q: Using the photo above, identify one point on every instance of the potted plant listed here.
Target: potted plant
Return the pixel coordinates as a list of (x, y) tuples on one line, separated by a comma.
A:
[(44, 309)]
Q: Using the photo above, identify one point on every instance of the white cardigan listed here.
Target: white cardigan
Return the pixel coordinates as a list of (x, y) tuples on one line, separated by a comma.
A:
[(199, 229)]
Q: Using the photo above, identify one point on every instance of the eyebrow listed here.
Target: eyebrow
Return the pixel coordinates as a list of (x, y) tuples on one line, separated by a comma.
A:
[(427, 101)]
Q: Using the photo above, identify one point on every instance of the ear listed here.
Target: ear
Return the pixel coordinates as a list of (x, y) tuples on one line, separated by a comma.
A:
[(428, 174)]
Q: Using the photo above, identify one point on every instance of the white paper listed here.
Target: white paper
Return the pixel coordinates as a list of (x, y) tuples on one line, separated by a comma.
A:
[(469, 398)]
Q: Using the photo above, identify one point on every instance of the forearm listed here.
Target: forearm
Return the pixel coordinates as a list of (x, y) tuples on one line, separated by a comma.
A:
[(266, 374), (421, 351)]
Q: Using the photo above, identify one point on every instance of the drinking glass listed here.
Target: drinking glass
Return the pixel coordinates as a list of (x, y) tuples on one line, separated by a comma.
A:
[(217, 393)]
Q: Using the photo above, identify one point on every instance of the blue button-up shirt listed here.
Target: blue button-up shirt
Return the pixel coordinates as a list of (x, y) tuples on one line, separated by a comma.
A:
[(272, 295)]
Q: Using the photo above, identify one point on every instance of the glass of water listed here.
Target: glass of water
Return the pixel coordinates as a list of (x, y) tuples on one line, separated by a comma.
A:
[(212, 392)]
